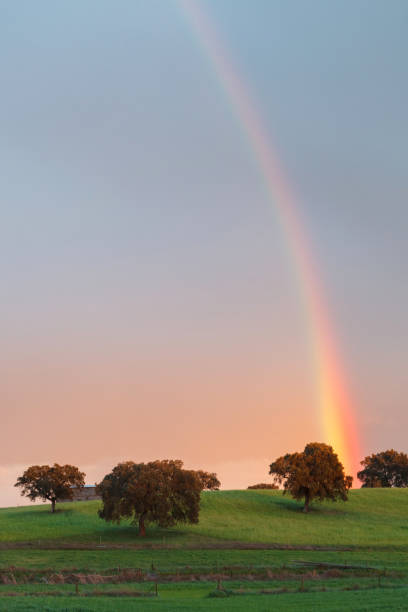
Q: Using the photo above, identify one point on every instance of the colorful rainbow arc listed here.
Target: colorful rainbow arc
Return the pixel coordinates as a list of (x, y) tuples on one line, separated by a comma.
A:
[(336, 414)]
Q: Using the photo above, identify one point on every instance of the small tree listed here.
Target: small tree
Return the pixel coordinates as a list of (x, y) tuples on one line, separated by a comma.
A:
[(159, 491), (208, 480), (50, 483), (314, 474), (386, 469)]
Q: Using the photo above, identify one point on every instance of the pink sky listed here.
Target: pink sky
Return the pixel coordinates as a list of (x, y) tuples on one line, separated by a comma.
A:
[(149, 305)]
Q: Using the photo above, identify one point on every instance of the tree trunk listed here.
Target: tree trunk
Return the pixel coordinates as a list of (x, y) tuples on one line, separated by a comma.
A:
[(307, 501), (53, 505), (142, 528)]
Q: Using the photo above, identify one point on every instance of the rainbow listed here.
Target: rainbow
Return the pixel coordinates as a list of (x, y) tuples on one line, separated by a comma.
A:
[(336, 414)]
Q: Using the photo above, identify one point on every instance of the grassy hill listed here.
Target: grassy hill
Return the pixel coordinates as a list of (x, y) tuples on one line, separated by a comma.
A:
[(371, 518), (259, 542)]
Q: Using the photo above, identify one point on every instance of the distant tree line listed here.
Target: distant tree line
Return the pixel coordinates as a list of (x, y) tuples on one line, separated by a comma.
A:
[(165, 493)]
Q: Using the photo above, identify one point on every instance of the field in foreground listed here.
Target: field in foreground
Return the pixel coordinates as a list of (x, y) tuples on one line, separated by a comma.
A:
[(252, 549)]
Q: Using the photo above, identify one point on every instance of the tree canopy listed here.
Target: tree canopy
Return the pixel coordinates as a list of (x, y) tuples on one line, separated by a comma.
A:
[(208, 480), (316, 473), (386, 469), (50, 483), (159, 491)]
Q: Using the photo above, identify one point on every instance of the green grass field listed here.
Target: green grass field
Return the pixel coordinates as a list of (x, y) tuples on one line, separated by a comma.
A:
[(253, 541)]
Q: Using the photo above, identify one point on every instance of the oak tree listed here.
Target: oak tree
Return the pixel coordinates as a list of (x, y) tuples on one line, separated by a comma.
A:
[(316, 473), (386, 469), (50, 483), (208, 480), (160, 491)]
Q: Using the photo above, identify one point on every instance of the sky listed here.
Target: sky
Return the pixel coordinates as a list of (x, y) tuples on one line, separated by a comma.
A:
[(149, 306)]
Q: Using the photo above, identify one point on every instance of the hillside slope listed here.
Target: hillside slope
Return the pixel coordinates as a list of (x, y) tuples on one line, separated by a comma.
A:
[(373, 518)]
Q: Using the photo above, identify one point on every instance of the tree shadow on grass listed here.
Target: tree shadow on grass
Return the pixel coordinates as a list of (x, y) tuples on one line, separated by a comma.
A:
[(67, 526), (316, 507), (33, 513), (154, 534)]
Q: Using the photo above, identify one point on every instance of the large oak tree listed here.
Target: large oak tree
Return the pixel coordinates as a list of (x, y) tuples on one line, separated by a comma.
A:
[(160, 491), (50, 483), (386, 469), (316, 473)]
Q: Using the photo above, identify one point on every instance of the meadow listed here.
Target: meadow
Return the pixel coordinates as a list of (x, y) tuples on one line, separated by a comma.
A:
[(251, 549)]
